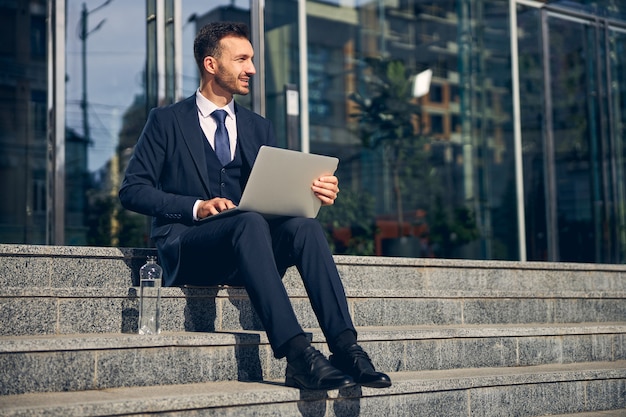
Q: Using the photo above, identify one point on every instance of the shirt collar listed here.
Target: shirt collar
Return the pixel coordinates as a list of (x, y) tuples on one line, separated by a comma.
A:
[(206, 106)]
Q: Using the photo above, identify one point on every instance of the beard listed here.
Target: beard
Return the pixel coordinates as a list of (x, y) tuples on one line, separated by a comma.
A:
[(230, 83)]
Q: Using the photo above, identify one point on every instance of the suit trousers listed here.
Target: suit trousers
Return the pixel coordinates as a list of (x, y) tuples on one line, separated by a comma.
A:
[(248, 250)]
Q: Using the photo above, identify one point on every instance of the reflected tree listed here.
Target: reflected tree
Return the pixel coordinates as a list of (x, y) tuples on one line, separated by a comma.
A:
[(388, 118), (349, 223), (108, 223)]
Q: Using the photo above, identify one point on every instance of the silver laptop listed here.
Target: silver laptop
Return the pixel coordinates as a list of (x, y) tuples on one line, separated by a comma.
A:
[(280, 183)]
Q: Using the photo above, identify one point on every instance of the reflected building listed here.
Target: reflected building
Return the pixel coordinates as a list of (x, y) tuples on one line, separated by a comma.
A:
[(546, 182), (23, 121)]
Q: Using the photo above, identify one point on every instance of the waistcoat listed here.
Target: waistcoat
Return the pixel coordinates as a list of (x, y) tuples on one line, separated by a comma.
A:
[(224, 181)]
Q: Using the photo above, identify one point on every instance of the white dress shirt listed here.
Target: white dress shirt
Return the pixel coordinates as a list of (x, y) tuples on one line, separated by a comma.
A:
[(209, 126)]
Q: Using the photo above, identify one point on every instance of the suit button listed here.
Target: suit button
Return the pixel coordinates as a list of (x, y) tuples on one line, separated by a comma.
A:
[(223, 185)]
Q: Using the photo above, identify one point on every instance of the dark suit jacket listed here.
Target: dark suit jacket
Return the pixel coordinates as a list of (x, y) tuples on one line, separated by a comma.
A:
[(168, 171)]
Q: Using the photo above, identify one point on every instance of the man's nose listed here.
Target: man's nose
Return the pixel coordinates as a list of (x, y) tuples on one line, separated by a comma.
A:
[(250, 69)]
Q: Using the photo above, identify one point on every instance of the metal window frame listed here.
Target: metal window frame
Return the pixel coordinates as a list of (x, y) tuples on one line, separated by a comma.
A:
[(55, 166), (600, 24), (257, 29), (517, 134), (303, 47)]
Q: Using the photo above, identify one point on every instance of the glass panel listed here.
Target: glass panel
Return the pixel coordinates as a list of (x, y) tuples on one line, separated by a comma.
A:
[(281, 68), (576, 140), (617, 108), (532, 105), (23, 101), (444, 183), (108, 96), (197, 13), (105, 105), (599, 123), (455, 172), (572, 120)]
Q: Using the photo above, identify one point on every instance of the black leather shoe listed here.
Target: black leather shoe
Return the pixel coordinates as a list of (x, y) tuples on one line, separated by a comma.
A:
[(312, 371), (355, 362)]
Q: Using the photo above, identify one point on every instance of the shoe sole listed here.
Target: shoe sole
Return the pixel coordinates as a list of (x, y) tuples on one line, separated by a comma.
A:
[(380, 384), (373, 384), (295, 384)]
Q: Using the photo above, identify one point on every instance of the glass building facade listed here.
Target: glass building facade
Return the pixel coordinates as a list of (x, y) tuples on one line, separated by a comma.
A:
[(475, 129)]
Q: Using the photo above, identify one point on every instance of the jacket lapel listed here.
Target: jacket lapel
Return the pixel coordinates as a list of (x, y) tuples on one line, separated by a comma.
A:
[(248, 146), (189, 124)]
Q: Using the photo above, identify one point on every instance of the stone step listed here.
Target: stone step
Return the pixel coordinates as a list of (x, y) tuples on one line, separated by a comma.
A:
[(489, 392), (68, 290), (105, 361), (487, 338), (63, 267), (35, 311), (30, 266)]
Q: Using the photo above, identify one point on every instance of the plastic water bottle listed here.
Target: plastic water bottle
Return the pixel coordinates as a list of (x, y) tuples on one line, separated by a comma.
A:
[(150, 297)]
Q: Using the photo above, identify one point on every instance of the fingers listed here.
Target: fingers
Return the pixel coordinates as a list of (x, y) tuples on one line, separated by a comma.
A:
[(217, 206), (214, 206), (329, 179), (326, 189)]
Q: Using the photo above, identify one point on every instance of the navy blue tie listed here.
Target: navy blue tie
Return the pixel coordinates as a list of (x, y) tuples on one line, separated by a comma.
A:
[(222, 144)]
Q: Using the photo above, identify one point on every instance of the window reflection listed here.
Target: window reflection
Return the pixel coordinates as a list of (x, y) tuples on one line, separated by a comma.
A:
[(23, 97), (457, 177), (469, 83)]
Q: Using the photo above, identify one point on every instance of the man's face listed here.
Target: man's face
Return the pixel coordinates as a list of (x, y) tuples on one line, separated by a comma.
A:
[(234, 67)]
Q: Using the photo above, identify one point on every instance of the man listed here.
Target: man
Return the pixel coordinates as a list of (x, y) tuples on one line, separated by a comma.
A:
[(178, 175)]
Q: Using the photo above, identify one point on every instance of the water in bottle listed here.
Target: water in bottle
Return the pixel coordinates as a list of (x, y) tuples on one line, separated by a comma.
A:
[(150, 276)]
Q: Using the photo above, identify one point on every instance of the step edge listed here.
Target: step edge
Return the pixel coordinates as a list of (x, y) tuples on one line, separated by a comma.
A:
[(93, 341), (297, 291), (22, 250), (205, 395)]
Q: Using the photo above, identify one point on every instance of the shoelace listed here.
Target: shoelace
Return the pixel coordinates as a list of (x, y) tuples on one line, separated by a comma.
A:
[(357, 352), (312, 355)]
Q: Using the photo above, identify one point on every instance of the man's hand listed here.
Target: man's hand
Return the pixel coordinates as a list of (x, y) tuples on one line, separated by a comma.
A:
[(208, 208), (326, 189)]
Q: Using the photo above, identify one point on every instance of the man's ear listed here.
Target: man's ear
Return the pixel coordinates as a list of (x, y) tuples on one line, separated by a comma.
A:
[(210, 64)]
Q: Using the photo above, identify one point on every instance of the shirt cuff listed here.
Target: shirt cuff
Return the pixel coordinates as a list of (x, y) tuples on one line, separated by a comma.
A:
[(195, 209)]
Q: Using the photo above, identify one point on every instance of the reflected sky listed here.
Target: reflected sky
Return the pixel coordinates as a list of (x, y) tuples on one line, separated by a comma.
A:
[(116, 54)]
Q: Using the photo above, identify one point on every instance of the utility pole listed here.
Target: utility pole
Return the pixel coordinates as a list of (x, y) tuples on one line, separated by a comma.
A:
[(83, 101), (84, 33)]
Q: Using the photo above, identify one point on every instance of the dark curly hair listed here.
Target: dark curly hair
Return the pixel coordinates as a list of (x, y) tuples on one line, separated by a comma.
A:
[(207, 42)]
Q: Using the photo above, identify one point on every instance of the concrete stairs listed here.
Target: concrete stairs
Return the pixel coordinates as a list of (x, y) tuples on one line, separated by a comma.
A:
[(459, 338)]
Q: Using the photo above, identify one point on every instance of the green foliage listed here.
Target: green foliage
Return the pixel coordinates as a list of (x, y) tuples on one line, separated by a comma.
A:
[(388, 117), (351, 217), (105, 210), (99, 220), (133, 229), (450, 230)]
